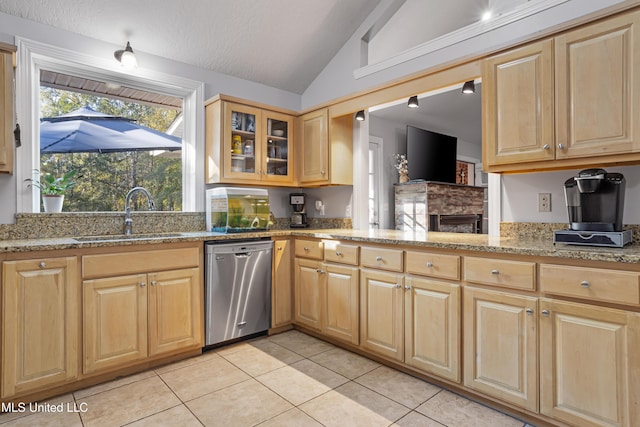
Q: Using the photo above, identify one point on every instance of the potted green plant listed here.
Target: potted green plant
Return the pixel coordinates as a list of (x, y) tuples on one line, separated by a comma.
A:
[(52, 189)]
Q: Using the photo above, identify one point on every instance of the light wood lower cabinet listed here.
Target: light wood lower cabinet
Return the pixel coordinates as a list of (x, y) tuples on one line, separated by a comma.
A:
[(340, 313), (501, 346), (432, 327), (281, 291), (133, 317), (381, 313), (175, 314), (115, 321), (308, 293), (39, 324), (589, 364)]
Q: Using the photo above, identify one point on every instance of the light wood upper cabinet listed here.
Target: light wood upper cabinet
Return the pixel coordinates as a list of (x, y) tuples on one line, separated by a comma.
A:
[(589, 359), (517, 100), (501, 346), (39, 324), (282, 284), (597, 89), (248, 144), (566, 102), (6, 111), (381, 313), (115, 321), (325, 149), (432, 327)]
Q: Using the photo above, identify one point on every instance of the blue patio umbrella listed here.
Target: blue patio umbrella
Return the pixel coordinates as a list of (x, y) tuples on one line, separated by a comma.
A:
[(88, 131)]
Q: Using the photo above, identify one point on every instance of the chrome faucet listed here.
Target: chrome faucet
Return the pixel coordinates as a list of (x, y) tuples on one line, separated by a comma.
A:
[(128, 222)]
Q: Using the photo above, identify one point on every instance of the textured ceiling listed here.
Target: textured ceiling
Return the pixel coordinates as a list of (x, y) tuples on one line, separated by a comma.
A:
[(280, 43)]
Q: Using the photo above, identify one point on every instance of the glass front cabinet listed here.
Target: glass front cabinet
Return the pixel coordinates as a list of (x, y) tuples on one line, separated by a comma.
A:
[(248, 144)]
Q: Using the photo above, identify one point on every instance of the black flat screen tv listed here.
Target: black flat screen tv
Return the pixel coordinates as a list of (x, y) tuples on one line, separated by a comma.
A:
[(431, 155)]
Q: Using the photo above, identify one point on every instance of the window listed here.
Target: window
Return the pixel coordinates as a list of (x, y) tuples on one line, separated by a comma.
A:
[(104, 176), (34, 57)]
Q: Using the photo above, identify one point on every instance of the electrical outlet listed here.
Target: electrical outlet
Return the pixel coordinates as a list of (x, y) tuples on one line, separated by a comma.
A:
[(544, 202)]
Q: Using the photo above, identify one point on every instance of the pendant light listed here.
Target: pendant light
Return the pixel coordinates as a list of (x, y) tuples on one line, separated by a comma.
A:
[(413, 102)]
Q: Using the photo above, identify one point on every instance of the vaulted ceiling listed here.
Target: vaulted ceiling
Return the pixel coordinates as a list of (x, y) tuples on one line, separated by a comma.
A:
[(281, 43)]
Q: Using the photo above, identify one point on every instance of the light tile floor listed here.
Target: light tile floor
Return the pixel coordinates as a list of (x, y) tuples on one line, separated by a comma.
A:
[(290, 379)]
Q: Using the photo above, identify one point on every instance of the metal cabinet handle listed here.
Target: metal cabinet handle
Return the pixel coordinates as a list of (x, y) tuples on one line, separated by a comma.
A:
[(338, 253), (546, 146), (306, 249), (398, 286), (495, 272), (319, 271), (429, 264), (585, 284), (153, 283), (42, 264), (561, 146), (142, 284), (322, 172), (280, 248), (529, 311), (407, 288), (378, 258), (545, 313)]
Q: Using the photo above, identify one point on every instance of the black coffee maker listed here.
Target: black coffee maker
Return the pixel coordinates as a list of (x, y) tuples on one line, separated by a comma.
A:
[(595, 203)]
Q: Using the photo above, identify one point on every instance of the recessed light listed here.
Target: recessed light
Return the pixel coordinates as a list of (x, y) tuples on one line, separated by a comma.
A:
[(487, 15)]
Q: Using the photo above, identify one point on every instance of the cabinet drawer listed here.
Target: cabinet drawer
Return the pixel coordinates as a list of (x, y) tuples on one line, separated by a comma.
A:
[(123, 263), (592, 283), (434, 265), (309, 249), (497, 272), (339, 252), (381, 258)]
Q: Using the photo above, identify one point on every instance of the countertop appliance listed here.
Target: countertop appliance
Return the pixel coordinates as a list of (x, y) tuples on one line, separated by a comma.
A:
[(237, 210), (299, 215), (237, 289), (595, 204)]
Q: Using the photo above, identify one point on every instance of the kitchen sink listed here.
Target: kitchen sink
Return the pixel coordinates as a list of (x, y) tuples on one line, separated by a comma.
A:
[(117, 237)]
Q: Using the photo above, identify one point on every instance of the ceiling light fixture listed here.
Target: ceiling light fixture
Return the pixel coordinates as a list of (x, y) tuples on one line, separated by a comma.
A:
[(487, 15), (360, 115), (469, 87), (413, 102), (126, 57)]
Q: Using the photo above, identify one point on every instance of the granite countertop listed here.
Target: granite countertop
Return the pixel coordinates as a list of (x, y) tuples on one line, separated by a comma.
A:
[(461, 241)]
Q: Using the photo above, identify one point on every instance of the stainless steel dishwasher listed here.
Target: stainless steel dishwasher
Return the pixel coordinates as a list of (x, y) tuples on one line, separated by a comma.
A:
[(237, 289)]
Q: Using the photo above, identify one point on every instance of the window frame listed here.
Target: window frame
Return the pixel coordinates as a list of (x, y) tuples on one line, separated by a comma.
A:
[(34, 56)]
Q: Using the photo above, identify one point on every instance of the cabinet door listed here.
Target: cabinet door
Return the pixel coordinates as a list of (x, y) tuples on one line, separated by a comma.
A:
[(115, 321), (340, 318), (241, 149), (597, 91), (432, 327), (6, 112), (277, 149), (381, 315), (517, 101), (314, 148), (281, 291), (589, 358), (39, 324), (501, 351), (308, 293), (175, 310)]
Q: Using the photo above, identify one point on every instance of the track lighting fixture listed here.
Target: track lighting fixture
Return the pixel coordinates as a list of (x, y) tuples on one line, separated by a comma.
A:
[(126, 57), (360, 115), (413, 102), (469, 87)]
